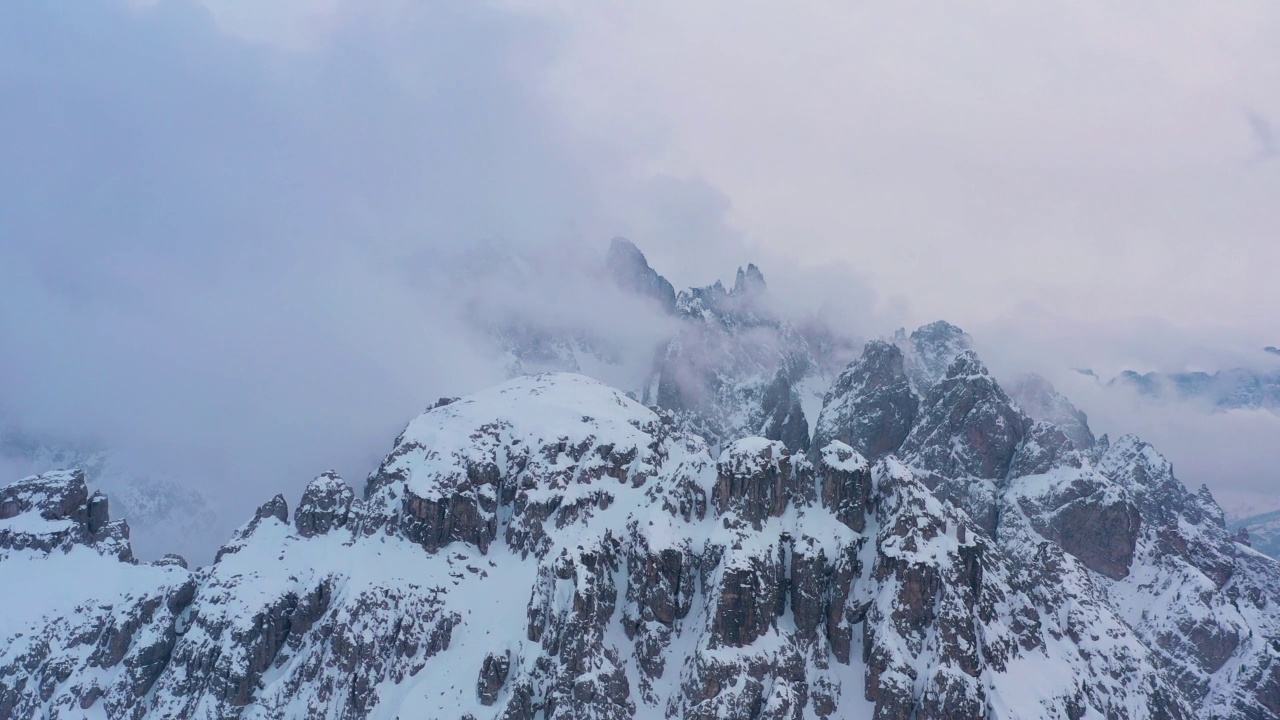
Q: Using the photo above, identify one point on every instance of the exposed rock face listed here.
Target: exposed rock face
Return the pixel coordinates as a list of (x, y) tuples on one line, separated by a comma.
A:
[(846, 484), (965, 438), (732, 365), (783, 413), (755, 480), (968, 426), (1170, 568), (1086, 518), (1044, 447), (871, 407), (551, 549), (325, 505), (164, 513), (54, 512), (493, 675), (631, 271)]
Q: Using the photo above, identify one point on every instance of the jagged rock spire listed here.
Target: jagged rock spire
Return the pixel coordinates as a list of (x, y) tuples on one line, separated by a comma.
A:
[(630, 270), (871, 406), (749, 283), (967, 426)]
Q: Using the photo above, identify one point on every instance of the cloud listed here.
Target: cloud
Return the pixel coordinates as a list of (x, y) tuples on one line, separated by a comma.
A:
[(235, 235), (236, 257), (1231, 452), (1265, 136), (1081, 156)]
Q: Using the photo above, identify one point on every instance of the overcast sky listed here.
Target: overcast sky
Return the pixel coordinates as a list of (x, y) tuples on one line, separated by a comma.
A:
[(221, 218), (1073, 160)]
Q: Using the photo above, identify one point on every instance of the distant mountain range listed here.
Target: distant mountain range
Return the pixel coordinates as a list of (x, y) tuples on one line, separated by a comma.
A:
[(1227, 389), (1262, 530)]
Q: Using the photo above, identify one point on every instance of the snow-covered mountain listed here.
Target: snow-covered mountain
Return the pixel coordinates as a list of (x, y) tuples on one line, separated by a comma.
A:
[(165, 514), (760, 530), (728, 365), (552, 548)]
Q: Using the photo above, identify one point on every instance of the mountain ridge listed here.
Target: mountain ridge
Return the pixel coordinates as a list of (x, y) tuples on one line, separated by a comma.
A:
[(653, 575), (929, 545)]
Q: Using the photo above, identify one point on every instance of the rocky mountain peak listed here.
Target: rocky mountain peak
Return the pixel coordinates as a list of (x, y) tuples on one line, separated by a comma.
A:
[(871, 406), (966, 365), (165, 513), (736, 368), (630, 270), (745, 305), (967, 425), (965, 439), (929, 352), (749, 283), (325, 506)]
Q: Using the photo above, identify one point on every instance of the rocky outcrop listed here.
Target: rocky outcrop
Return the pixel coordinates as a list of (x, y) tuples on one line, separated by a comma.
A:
[(325, 506), (871, 407), (1171, 569), (965, 439), (1103, 536), (968, 426), (755, 480), (930, 572), (276, 509), (55, 511), (493, 675), (782, 414), (630, 270), (165, 513), (1044, 448), (846, 484)]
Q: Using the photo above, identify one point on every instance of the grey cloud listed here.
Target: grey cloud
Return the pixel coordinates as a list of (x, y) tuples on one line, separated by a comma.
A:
[(238, 262), (1264, 135), (239, 249)]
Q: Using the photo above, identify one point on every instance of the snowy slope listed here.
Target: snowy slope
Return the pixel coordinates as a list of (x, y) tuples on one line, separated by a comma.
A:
[(551, 548)]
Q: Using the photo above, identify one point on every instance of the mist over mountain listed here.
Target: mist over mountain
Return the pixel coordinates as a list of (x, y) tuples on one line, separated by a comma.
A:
[(673, 552), (905, 542), (1235, 388), (534, 361)]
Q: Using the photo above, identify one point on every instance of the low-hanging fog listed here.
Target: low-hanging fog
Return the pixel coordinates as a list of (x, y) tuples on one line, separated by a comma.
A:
[(243, 243)]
